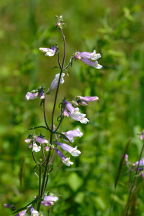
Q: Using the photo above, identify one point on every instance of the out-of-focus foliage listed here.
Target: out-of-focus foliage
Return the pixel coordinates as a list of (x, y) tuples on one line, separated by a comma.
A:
[(113, 28)]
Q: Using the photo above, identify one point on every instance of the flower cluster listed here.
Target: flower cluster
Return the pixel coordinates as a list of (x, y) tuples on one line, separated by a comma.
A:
[(35, 142), (48, 200)]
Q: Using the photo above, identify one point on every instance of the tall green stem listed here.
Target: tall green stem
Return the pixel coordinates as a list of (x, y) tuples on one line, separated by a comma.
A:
[(46, 170)]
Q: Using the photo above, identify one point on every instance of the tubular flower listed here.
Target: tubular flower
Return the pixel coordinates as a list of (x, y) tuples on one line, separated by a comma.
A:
[(34, 212), (85, 100), (49, 51), (64, 159), (89, 58), (73, 151), (74, 113), (38, 93), (22, 213), (73, 133), (38, 139), (139, 163), (55, 81), (49, 200), (78, 116)]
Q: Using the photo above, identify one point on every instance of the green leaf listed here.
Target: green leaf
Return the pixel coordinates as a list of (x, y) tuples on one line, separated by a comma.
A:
[(74, 181)]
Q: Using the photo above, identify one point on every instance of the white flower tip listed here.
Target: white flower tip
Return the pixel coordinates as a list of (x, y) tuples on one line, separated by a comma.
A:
[(75, 152), (98, 66), (35, 147), (67, 161)]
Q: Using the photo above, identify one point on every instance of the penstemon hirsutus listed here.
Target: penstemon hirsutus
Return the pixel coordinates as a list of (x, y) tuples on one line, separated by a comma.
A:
[(59, 142)]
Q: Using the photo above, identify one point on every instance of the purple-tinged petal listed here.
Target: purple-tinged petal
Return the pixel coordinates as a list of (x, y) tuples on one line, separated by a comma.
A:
[(85, 100), (74, 113), (40, 140), (49, 51), (49, 200), (88, 55), (73, 133), (91, 63), (31, 95), (22, 213), (141, 136), (73, 151), (139, 163), (34, 212), (65, 160), (68, 108)]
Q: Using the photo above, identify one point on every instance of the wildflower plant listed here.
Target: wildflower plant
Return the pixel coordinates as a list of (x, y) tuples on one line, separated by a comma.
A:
[(56, 142)]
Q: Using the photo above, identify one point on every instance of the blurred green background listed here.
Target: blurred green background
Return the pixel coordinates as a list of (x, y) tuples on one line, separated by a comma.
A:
[(113, 28)]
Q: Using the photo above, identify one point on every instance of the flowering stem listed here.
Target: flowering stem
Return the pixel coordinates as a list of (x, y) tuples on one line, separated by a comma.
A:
[(46, 174), (133, 183)]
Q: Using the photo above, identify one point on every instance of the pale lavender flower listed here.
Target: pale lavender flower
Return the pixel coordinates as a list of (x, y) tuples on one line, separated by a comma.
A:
[(49, 51), (141, 136), (139, 163), (89, 55), (69, 108), (73, 151), (74, 113), (49, 200), (40, 139), (55, 81), (38, 93), (22, 213), (72, 134), (64, 159), (89, 58), (78, 116), (34, 212), (31, 95), (85, 100)]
